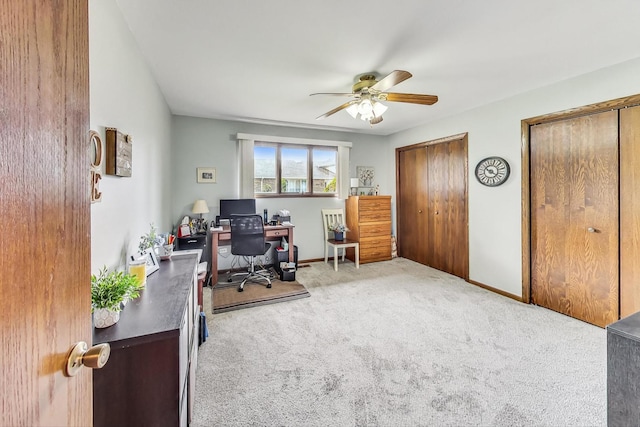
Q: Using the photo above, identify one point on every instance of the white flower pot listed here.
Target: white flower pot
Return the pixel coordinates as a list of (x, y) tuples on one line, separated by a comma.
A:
[(103, 317)]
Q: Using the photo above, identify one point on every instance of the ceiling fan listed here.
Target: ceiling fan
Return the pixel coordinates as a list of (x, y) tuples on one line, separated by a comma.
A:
[(368, 92)]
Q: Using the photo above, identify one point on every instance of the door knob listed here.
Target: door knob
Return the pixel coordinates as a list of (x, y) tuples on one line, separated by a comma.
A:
[(81, 355), (419, 210), (592, 230)]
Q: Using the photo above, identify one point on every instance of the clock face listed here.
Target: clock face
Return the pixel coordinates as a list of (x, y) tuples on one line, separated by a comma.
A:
[(492, 171)]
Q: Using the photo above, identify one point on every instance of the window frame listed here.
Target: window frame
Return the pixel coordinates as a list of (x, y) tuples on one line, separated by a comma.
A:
[(245, 153), (278, 163)]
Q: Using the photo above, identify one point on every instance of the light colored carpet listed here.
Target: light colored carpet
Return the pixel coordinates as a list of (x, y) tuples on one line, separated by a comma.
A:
[(396, 343)]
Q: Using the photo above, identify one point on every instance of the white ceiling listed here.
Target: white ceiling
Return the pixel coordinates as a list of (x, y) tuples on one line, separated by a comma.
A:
[(258, 61)]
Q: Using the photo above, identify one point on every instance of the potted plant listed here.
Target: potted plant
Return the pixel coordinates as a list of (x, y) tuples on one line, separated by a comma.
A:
[(150, 240), (108, 292), (338, 230)]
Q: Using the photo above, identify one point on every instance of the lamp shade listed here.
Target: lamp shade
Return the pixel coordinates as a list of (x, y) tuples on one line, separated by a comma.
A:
[(200, 207)]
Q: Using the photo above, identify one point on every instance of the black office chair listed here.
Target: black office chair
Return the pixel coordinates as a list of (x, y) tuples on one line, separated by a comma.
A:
[(247, 238)]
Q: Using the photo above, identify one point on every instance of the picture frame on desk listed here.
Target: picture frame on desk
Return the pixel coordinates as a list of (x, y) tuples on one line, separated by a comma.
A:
[(150, 257)]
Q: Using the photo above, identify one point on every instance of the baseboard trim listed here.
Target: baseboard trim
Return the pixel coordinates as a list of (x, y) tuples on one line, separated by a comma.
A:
[(497, 291)]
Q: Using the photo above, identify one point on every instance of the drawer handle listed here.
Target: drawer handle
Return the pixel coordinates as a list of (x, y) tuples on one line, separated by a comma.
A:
[(191, 241)]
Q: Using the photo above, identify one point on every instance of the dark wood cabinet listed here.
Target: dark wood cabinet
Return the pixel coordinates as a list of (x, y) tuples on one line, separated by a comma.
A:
[(150, 376), (623, 372)]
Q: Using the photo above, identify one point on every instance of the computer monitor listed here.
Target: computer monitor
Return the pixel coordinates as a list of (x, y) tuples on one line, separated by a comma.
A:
[(230, 207)]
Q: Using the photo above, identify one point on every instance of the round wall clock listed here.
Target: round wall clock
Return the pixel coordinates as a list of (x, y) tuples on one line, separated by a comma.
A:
[(492, 171)]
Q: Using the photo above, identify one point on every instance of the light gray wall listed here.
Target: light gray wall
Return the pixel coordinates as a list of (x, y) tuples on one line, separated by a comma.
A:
[(125, 95), (201, 142), (495, 243)]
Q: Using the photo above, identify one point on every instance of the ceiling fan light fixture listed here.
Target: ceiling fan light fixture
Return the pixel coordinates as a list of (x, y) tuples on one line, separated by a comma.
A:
[(379, 108), (353, 110), (368, 92), (365, 108)]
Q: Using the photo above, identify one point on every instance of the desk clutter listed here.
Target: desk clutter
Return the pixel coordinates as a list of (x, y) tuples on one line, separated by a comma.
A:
[(191, 226), (286, 270)]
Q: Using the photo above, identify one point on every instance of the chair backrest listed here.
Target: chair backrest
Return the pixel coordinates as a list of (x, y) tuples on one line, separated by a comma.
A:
[(247, 235), (329, 217)]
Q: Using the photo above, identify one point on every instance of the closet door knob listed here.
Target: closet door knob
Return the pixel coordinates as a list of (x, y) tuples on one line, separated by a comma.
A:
[(419, 210), (592, 230)]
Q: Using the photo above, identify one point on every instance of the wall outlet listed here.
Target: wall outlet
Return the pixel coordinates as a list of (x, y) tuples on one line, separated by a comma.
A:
[(223, 250)]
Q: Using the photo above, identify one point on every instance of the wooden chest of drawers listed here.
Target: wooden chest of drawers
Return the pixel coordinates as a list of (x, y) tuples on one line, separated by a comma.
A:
[(369, 222)]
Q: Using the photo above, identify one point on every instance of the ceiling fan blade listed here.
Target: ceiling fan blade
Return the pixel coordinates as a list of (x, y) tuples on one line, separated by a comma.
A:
[(333, 94), (335, 110), (409, 97), (392, 79)]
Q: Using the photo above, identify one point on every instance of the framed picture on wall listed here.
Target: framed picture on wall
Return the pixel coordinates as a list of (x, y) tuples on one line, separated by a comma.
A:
[(206, 175), (365, 176)]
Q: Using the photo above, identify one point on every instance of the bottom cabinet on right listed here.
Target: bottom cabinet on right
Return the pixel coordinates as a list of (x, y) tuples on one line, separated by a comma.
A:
[(623, 371)]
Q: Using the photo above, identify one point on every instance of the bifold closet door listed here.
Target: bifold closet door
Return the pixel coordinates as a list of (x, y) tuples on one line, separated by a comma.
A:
[(574, 217), (412, 204), (447, 241), (629, 211), (432, 204)]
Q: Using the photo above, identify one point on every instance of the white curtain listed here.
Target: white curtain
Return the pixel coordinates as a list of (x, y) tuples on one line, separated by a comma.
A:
[(342, 172), (245, 168)]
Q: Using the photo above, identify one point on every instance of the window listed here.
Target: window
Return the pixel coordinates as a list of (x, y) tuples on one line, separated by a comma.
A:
[(280, 166), (287, 169)]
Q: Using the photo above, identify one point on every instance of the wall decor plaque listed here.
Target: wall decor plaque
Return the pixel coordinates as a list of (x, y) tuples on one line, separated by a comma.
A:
[(95, 163), (118, 153)]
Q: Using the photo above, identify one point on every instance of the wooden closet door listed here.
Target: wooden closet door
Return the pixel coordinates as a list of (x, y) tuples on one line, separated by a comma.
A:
[(629, 211), (412, 204), (432, 204), (447, 245), (574, 217)]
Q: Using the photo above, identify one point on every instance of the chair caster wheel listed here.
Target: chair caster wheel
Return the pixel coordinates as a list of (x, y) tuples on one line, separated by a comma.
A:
[(229, 280), (240, 289), (269, 285)]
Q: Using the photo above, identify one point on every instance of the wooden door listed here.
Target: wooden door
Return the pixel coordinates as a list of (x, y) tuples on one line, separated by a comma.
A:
[(412, 204), (447, 209), (629, 211), (432, 204), (44, 171), (574, 217)]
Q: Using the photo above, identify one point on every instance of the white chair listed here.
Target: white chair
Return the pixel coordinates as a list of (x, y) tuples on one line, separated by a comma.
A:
[(333, 216)]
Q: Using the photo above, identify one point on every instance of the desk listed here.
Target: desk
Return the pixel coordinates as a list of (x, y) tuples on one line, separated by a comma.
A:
[(223, 237)]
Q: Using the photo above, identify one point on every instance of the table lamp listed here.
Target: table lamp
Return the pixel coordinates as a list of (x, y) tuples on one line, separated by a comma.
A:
[(200, 207), (354, 186)]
